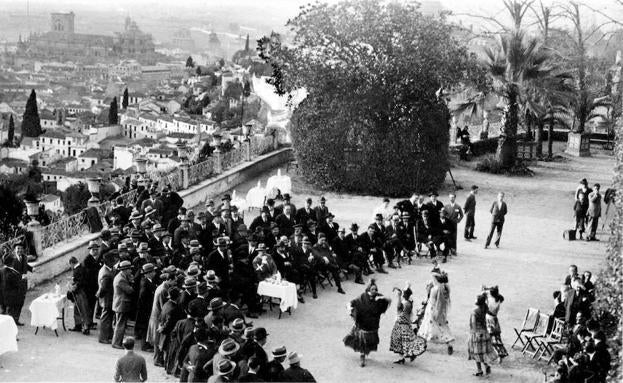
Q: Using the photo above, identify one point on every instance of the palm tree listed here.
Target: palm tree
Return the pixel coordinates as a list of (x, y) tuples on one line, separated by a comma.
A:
[(515, 65)]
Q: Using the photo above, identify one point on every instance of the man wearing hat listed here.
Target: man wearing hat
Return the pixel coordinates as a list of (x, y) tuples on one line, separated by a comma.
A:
[(329, 227), (210, 210), (257, 348), (251, 376), (408, 234), (105, 294), (271, 239), (169, 317), (286, 221), (154, 203), (224, 372), (273, 212), (393, 246), (322, 210), (434, 207), (199, 354), (295, 373), (82, 312), (345, 258), (264, 264), (302, 256), (454, 213), (176, 221), (262, 221), (219, 261), (236, 328), (226, 352), (430, 233), (144, 304), (181, 230), (312, 231), (123, 294), (305, 213), (189, 291), (275, 366), (91, 268), (121, 211), (324, 261), (204, 235), (287, 200), (371, 245), (380, 231), (470, 212), (237, 218)]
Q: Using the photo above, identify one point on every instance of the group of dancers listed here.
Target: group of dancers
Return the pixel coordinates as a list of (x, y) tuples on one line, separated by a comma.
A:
[(413, 331)]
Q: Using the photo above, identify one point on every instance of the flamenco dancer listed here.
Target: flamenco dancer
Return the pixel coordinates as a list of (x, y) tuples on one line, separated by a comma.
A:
[(366, 311), (479, 347), (434, 326), (494, 300), (403, 340)]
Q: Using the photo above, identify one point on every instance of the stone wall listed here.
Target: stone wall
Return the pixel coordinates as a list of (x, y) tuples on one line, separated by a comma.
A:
[(54, 261)]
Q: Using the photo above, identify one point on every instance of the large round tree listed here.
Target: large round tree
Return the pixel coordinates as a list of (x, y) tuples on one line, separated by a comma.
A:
[(372, 120)]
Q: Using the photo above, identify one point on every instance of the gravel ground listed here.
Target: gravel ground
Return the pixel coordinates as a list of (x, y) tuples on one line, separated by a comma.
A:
[(529, 265)]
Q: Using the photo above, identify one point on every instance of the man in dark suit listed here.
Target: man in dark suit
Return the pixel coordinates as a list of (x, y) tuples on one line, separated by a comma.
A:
[(198, 355), (91, 267), (371, 245), (329, 227), (286, 221), (11, 298), (345, 257), (305, 213), (252, 376), (105, 294), (123, 293), (130, 367), (470, 212), (379, 228), (262, 221), (434, 207), (20, 264), (256, 349), (82, 312), (322, 210), (295, 373), (218, 260), (273, 212), (393, 245), (144, 304), (498, 213), (454, 213), (122, 211), (275, 366)]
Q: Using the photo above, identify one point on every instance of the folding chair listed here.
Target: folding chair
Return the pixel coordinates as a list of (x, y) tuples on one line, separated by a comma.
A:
[(529, 323), (531, 346), (547, 346)]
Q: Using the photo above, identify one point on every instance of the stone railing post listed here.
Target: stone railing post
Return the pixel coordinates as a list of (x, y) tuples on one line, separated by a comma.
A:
[(37, 236), (246, 144), (275, 141), (218, 161), (184, 175), (453, 130)]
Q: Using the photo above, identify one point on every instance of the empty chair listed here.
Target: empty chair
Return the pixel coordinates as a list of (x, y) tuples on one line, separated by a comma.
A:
[(529, 323), (548, 345), (531, 347)]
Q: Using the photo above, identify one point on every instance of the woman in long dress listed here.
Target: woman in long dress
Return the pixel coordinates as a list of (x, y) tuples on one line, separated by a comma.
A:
[(494, 300), (366, 311), (434, 326), (403, 340), (479, 347)]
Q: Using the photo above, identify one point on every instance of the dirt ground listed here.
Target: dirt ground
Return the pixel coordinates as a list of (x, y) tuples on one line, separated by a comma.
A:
[(529, 265)]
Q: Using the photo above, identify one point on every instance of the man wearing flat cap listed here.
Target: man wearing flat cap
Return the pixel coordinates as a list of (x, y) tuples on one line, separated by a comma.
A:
[(144, 304), (123, 294)]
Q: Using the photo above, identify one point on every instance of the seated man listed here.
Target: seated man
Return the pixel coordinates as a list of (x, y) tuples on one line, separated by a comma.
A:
[(301, 251), (407, 235), (393, 245), (345, 258), (324, 261), (372, 247), (285, 264), (263, 264), (430, 234), (352, 239)]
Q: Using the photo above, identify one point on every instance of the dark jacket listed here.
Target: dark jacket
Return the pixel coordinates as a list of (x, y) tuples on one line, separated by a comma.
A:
[(367, 311), (219, 263), (297, 374), (470, 205), (145, 302), (10, 287), (498, 213), (286, 225)]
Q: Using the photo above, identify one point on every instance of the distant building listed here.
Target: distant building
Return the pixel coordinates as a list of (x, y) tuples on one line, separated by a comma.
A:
[(64, 44), (183, 40)]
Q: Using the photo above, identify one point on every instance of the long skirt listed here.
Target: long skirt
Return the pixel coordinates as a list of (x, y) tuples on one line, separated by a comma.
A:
[(403, 341), (493, 327), (479, 347), (361, 340)]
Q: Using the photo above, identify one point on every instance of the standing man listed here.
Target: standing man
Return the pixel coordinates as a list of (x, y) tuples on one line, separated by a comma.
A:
[(130, 367), (20, 264), (104, 295), (594, 212), (82, 311), (498, 212), (144, 304), (470, 212), (454, 213), (122, 301)]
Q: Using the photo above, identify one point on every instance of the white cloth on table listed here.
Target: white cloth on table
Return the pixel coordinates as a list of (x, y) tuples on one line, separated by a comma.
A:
[(46, 309), (8, 334), (283, 290)]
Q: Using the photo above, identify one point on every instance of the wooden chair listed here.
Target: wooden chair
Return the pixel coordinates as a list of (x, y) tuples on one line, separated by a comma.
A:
[(531, 347), (529, 323), (547, 346)]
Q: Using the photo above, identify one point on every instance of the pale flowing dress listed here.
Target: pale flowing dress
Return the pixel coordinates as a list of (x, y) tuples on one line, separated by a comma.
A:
[(435, 326)]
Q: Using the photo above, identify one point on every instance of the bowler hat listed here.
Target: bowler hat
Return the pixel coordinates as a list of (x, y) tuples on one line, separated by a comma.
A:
[(378, 216), (273, 225), (248, 333), (265, 209), (433, 193), (354, 227), (148, 268), (260, 333), (308, 200), (330, 215), (286, 197), (322, 199)]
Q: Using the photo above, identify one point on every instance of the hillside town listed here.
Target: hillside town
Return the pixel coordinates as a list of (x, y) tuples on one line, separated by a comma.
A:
[(97, 119)]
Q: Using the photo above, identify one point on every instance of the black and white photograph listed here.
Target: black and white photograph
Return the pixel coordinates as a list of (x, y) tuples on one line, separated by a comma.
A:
[(347, 191)]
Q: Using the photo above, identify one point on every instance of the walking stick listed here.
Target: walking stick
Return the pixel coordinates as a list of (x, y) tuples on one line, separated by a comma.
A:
[(459, 187)]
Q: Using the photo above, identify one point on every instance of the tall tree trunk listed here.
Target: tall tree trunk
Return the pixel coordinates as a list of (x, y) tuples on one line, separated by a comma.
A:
[(539, 139), (550, 140), (507, 144)]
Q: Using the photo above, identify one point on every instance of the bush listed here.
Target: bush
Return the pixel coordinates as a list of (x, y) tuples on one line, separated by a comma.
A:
[(491, 165)]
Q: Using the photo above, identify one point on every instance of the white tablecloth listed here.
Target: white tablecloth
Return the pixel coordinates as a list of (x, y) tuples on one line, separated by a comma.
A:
[(8, 334), (46, 309), (284, 290)]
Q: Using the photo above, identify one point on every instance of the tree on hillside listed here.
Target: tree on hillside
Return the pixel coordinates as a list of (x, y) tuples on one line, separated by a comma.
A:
[(125, 101), (113, 113), (198, 70), (372, 121), (11, 210), (31, 124), (75, 198), (233, 91), (11, 134), (190, 63), (246, 44)]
